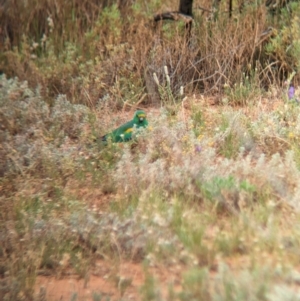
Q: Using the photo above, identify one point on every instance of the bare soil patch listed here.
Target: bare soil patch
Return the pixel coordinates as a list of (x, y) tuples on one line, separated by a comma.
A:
[(108, 279)]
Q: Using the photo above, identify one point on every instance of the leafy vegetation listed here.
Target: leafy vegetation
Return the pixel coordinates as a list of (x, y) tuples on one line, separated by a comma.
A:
[(203, 204)]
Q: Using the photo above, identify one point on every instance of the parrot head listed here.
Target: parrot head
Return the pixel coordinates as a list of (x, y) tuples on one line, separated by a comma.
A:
[(140, 118)]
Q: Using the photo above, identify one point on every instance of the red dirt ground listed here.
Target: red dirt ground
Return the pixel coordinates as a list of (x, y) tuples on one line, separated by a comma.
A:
[(103, 282)]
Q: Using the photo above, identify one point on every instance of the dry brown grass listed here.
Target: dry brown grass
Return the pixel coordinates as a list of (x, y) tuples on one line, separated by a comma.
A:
[(94, 52)]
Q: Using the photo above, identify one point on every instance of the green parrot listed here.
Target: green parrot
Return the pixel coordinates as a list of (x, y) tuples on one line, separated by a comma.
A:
[(124, 132)]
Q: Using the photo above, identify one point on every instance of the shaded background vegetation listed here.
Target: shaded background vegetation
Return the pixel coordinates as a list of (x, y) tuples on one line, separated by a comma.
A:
[(94, 50)]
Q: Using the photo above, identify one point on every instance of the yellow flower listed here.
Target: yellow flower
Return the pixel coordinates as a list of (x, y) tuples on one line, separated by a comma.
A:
[(210, 143), (185, 138)]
